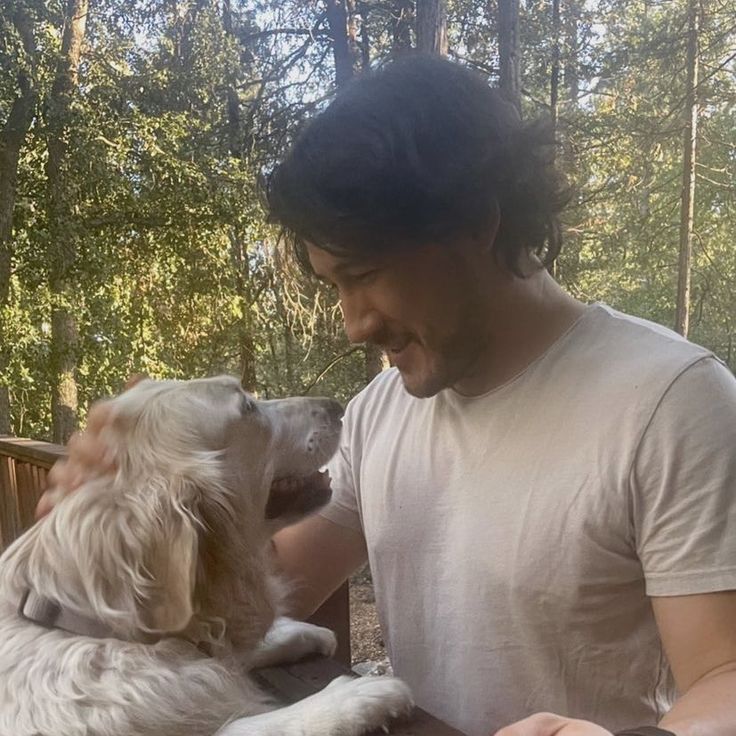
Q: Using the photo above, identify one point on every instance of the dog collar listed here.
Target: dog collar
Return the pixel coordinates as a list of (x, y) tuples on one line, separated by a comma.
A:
[(50, 614)]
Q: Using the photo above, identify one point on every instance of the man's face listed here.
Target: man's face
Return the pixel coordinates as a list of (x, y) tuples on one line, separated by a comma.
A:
[(425, 306)]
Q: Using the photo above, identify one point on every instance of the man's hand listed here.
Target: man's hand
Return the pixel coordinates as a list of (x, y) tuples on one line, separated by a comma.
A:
[(549, 724), (88, 456)]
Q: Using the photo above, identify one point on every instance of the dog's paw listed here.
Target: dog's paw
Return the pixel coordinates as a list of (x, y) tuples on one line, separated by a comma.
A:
[(321, 640), (288, 641), (368, 703)]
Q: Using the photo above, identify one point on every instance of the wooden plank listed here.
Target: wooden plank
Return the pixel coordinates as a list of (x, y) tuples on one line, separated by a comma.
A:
[(44, 454), (24, 475), (334, 613), (29, 491), (5, 484), (297, 681), (10, 525)]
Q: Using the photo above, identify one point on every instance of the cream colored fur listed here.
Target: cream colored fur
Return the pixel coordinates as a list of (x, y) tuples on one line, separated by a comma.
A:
[(172, 553)]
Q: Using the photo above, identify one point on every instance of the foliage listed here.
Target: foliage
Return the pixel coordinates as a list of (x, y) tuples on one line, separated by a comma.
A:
[(183, 106)]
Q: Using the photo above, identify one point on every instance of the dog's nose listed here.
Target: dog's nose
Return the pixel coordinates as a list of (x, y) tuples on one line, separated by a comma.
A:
[(333, 409)]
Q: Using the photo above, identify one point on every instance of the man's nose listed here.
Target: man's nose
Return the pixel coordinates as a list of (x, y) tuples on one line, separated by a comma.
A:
[(362, 322)]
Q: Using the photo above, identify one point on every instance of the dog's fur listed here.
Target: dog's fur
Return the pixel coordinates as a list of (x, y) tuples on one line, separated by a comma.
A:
[(172, 553)]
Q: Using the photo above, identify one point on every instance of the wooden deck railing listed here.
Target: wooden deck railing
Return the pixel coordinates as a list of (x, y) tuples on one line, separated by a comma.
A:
[(24, 466)]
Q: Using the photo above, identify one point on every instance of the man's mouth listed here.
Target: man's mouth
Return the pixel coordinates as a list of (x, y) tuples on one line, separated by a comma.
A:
[(396, 348), (296, 496), (397, 353)]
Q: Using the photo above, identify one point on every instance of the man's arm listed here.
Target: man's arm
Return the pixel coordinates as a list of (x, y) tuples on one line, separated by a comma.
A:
[(317, 555), (698, 633), (699, 637)]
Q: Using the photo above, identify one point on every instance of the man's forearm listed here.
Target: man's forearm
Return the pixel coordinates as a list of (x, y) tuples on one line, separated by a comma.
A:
[(708, 708), (316, 556)]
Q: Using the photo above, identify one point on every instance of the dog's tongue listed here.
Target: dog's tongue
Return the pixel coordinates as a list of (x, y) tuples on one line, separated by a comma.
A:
[(298, 496)]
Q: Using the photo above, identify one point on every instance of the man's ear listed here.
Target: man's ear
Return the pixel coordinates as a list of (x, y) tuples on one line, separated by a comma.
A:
[(489, 232), (172, 566)]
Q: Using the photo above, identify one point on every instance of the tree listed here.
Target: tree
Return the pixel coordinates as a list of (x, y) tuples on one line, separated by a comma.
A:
[(690, 138), (508, 51), (343, 42), (431, 21), (12, 137), (61, 220), (179, 111), (401, 13)]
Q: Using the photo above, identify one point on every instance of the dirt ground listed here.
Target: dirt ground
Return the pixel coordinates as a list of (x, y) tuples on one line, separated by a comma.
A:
[(365, 634)]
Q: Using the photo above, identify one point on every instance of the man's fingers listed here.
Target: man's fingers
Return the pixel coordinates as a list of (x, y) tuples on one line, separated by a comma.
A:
[(100, 415), (89, 451), (550, 724), (44, 505), (135, 378), (88, 454), (59, 482), (540, 724), (59, 475)]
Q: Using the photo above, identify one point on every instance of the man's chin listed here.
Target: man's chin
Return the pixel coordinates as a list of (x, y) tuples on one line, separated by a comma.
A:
[(421, 387)]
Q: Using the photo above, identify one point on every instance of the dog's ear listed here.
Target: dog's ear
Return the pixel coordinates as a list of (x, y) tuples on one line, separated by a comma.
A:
[(152, 542), (171, 563)]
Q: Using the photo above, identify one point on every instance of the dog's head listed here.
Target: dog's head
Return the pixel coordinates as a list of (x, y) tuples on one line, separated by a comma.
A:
[(178, 542)]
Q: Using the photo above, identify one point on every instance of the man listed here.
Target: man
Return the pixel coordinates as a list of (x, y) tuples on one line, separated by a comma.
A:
[(544, 489)]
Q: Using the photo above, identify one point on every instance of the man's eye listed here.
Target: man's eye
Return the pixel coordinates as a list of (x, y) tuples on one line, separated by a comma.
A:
[(365, 275)]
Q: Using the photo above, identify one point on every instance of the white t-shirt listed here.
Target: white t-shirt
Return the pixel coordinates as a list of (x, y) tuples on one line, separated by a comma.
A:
[(514, 537)]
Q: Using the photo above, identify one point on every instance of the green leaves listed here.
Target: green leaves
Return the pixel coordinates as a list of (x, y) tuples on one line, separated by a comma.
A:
[(182, 108)]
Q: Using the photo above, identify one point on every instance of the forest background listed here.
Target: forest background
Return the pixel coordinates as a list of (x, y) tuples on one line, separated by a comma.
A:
[(135, 136)]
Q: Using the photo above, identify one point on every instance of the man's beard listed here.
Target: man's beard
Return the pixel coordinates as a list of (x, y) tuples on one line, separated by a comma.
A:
[(454, 361)]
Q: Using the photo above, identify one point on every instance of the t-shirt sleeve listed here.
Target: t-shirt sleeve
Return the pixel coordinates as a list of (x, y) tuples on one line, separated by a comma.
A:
[(683, 485), (343, 506)]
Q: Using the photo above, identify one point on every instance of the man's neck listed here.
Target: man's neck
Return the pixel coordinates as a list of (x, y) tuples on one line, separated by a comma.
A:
[(526, 317)]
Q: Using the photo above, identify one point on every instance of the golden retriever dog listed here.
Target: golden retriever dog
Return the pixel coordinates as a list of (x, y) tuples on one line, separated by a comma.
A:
[(138, 605)]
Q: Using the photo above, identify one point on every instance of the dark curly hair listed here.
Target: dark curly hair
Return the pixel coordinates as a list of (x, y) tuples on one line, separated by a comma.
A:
[(420, 150)]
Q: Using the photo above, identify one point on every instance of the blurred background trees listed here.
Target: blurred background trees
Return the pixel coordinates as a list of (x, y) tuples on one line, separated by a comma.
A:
[(134, 135)]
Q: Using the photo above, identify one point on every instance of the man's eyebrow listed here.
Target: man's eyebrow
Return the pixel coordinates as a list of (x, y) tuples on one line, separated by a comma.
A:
[(352, 263), (339, 268), (342, 267)]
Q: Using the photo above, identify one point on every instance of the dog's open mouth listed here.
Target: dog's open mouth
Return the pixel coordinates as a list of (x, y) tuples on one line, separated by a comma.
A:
[(293, 497)]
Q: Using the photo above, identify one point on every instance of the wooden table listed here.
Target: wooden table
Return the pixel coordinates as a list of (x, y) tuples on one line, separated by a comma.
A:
[(300, 680)]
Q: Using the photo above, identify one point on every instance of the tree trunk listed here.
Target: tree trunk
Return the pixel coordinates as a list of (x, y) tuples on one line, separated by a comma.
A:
[(508, 51), (233, 101), (337, 17), (239, 261), (248, 376), (687, 208), (401, 20), (554, 92), (364, 44), (432, 26), (570, 22), (12, 138), (62, 233), (554, 82)]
